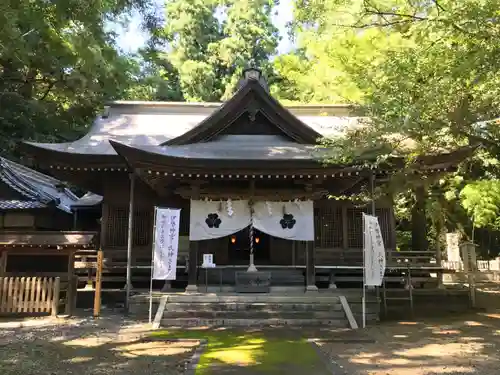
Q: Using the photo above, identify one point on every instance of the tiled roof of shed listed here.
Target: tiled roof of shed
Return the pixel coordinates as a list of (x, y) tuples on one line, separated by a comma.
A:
[(38, 188), (20, 205)]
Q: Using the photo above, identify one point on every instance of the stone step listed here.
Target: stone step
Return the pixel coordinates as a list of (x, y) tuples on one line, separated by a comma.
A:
[(228, 276), (140, 312), (247, 322), (257, 315), (258, 306), (312, 298)]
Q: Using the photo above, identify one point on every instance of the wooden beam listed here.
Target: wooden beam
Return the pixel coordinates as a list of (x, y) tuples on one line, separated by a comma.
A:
[(257, 194)]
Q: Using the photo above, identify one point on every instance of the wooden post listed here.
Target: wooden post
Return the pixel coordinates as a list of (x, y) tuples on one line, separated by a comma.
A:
[(439, 257), (310, 268), (98, 276), (468, 250), (70, 292), (55, 296), (372, 194), (193, 267), (3, 262), (345, 229), (128, 285)]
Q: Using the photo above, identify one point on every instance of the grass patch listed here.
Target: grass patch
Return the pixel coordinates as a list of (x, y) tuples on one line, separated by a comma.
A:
[(264, 352)]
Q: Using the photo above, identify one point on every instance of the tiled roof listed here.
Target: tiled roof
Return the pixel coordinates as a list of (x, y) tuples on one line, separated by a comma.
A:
[(89, 199), (36, 186), (20, 205), (149, 124)]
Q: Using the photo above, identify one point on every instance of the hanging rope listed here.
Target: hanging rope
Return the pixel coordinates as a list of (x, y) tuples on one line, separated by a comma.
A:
[(250, 231)]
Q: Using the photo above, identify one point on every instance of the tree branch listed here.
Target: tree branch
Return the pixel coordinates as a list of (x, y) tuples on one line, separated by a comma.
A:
[(438, 6), (48, 90), (392, 14)]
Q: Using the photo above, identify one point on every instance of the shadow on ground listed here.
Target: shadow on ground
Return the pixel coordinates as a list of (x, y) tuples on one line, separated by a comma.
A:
[(456, 345), (85, 346)]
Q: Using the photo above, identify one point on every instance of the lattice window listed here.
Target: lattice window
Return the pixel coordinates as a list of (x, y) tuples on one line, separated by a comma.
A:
[(328, 226), (116, 226), (143, 227), (355, 228)]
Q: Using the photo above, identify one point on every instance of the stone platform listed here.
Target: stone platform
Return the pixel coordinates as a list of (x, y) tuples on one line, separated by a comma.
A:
[(321, 308)]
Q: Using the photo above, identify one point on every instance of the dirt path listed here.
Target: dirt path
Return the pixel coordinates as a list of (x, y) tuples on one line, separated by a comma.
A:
[(84, 346), (457, 346)]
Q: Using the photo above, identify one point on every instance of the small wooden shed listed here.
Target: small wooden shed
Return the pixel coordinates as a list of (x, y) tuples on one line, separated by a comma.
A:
[(35, 260)]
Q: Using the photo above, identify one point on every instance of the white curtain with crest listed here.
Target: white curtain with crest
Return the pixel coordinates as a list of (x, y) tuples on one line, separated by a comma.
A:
[(288, 220), (215, 219)]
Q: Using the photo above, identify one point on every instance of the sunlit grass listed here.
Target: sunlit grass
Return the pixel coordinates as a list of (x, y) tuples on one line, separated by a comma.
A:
[(262, 351)]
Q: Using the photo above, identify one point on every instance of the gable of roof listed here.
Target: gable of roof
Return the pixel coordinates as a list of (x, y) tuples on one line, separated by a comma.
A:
[(250, 100)]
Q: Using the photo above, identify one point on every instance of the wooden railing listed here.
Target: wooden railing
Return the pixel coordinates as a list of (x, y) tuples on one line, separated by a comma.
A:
[(20, 295)]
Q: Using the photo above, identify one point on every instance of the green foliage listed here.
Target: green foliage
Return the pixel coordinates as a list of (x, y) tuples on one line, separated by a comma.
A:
[(209, 43), (427, 76), (481, 199), (423, 71), (58, 65)]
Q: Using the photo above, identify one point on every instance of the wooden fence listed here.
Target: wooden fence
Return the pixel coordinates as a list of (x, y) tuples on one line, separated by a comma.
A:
[(25, 295), (481, 265)]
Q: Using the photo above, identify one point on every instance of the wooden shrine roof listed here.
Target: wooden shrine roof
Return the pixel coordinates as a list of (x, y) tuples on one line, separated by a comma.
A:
[(251, 132), (280, 156), (237, 147), (149, 124), (47, 239)]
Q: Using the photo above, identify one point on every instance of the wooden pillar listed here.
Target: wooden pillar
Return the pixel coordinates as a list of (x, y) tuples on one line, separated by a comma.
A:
[(310, 269), (98, 284), (193, 267), (345, 229), (419, 221), (128, 285), (194, 246), (439, 252), (3, 263), (71, 288), (372, 194), (75, 220)]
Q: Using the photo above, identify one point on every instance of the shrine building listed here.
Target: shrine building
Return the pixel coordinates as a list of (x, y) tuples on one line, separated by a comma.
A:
[(246, 174)]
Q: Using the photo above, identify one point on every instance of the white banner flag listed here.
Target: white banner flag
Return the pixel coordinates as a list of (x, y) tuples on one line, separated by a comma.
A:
[(374, 251), (166, 244)]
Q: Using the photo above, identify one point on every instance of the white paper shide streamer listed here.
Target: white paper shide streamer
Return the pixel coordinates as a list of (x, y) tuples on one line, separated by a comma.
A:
[(230, 211)]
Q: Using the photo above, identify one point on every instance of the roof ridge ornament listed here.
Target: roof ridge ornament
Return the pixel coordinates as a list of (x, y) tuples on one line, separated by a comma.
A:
[(253, 74)]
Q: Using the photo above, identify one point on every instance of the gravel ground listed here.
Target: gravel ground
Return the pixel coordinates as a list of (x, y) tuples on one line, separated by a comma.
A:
[(108, 346), (461, 345)]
